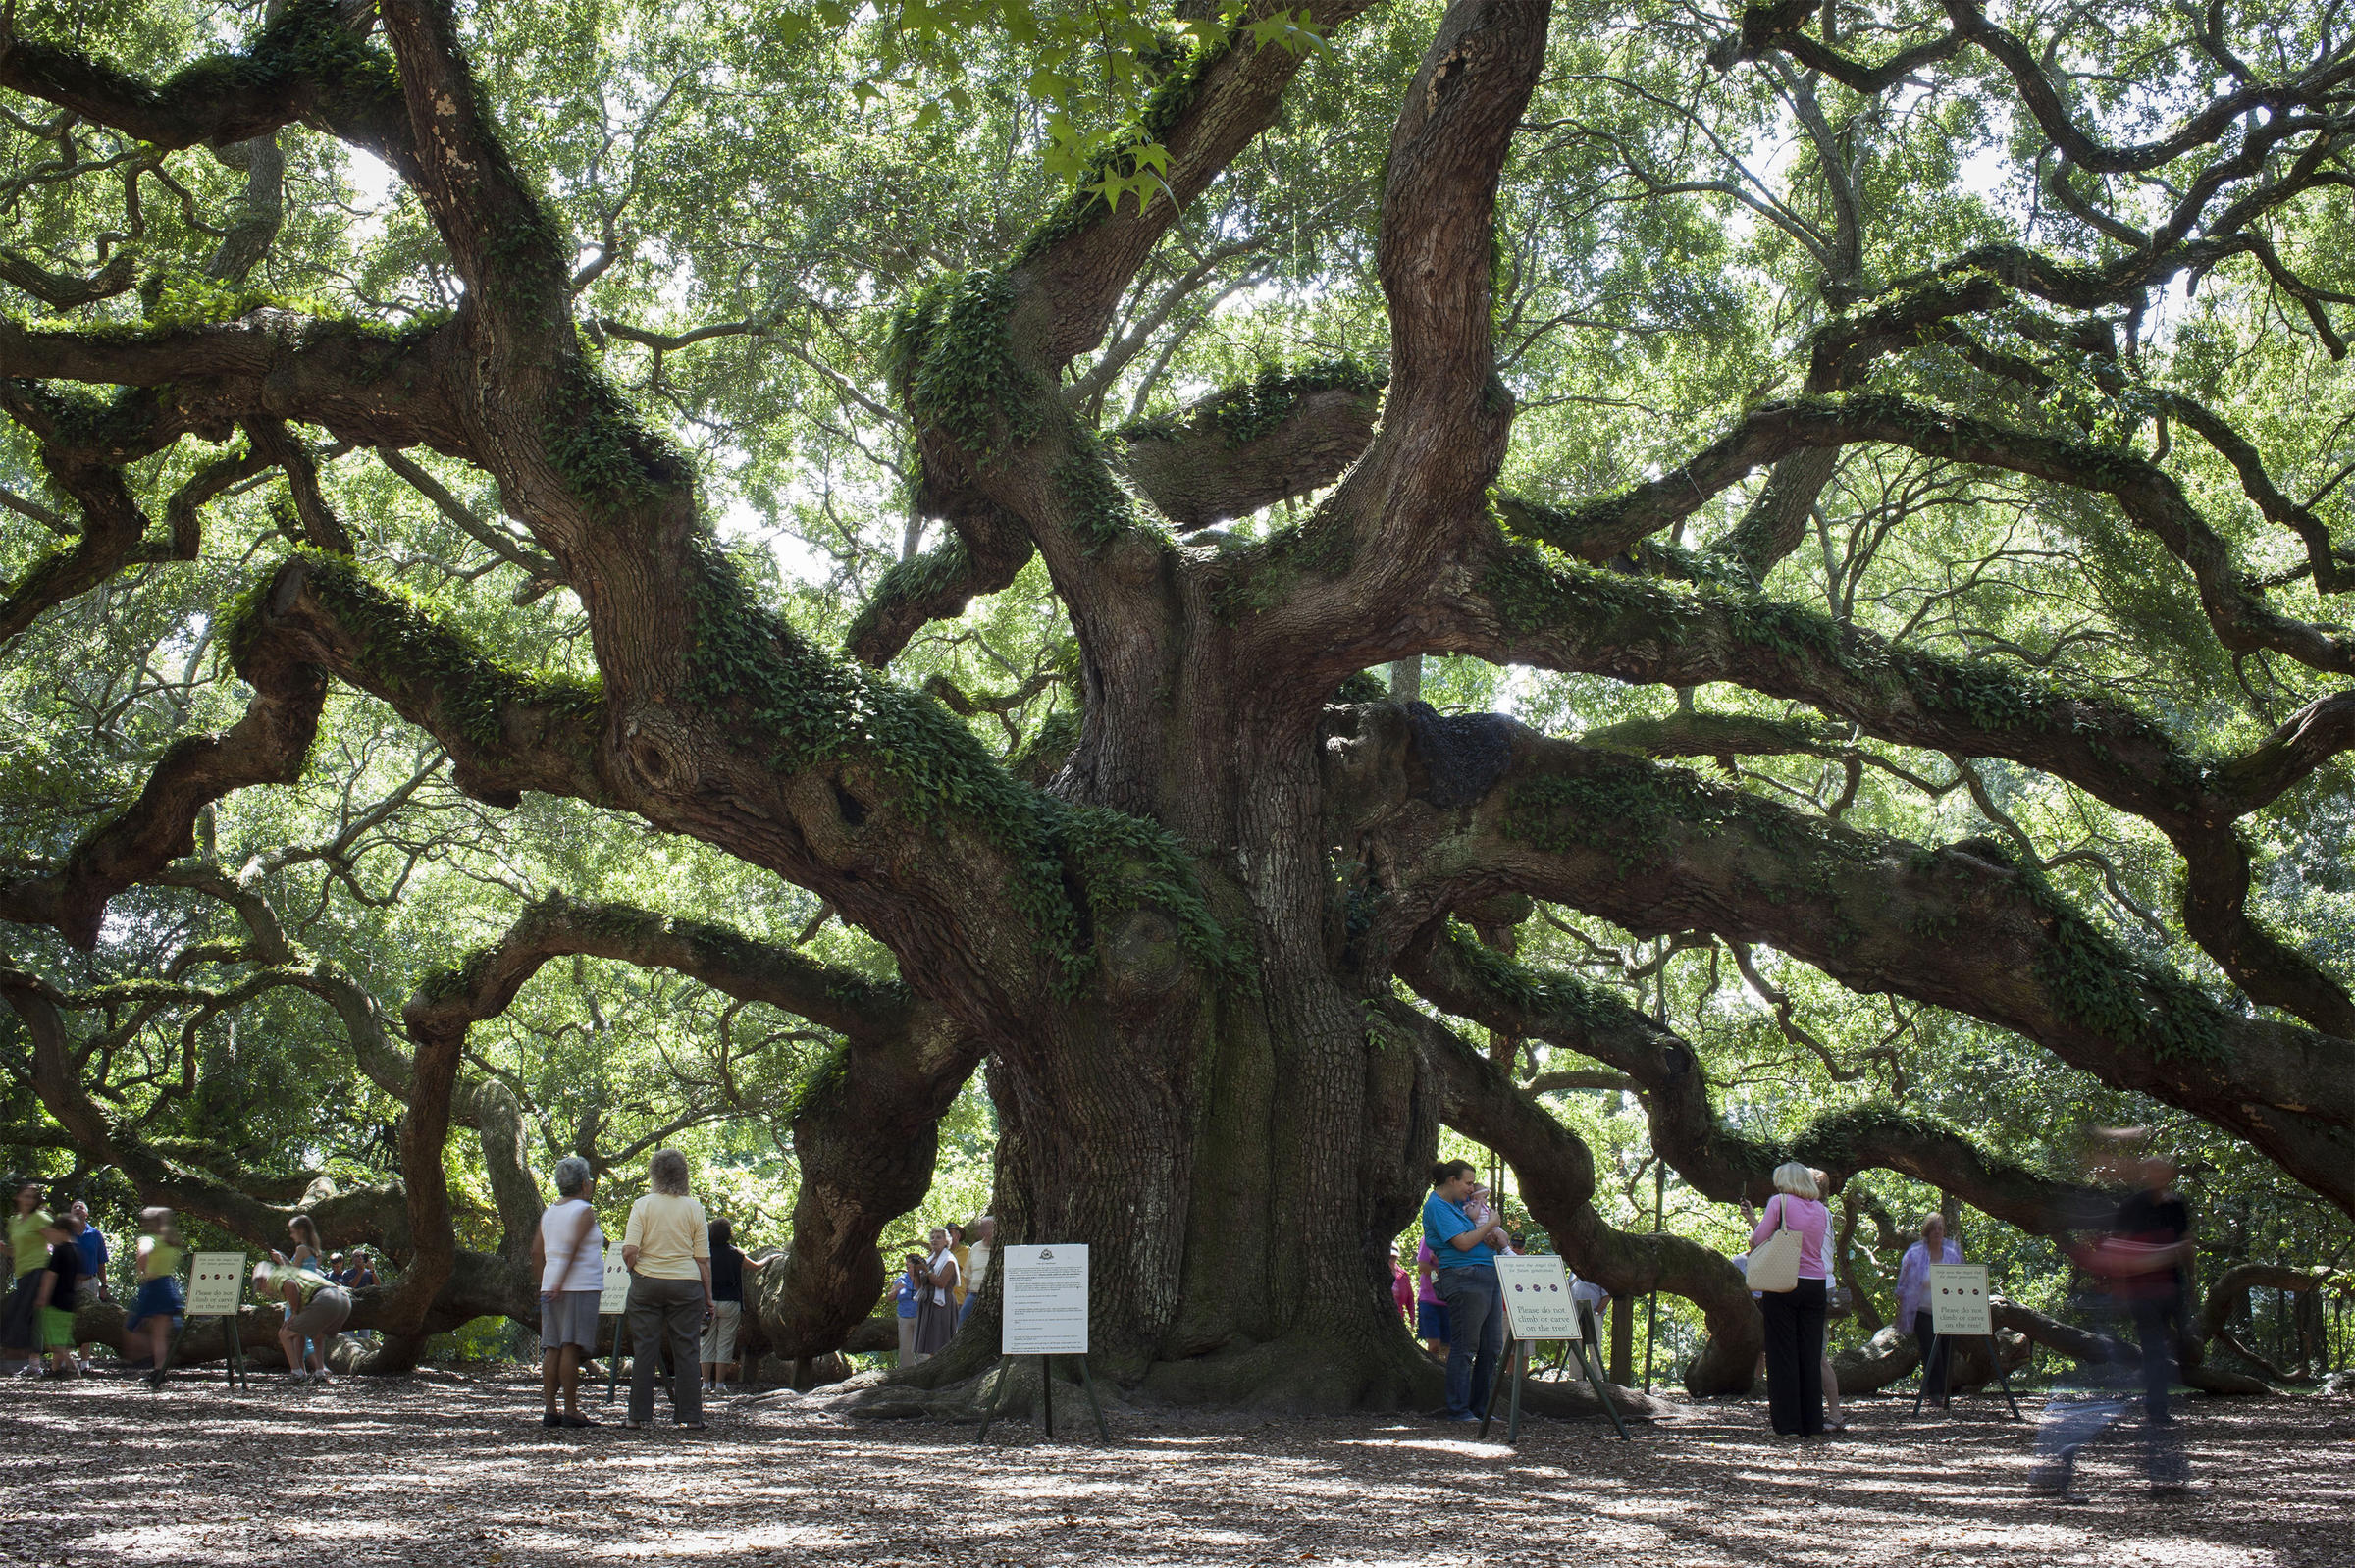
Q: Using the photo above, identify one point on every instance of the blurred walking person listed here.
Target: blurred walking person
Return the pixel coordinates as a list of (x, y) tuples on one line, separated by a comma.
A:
[(2133, 1266)]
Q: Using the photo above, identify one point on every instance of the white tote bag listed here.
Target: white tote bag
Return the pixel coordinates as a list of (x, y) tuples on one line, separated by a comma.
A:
[(1773, 1266)]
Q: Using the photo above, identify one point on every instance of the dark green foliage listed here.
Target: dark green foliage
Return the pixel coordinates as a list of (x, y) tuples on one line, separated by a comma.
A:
[(1164, 107), (817, 711), (1637, 812), (1128, 862), (1537, 595), (1541, 994), (598, 444), (403, 648), (827, 1077), (1361, 687), (1247, 412), (1043, 754), (1101, 511), (952, 358), (1267, 573), (914, 581), (2103, 987)]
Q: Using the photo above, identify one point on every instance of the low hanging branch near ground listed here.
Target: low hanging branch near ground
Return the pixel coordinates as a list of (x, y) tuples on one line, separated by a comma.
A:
[(1556, 1176), (1453, 972), (865, 1120), (1656, 849)]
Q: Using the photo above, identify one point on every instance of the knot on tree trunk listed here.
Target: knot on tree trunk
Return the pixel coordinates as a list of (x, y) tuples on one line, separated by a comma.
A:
[(658, 751)]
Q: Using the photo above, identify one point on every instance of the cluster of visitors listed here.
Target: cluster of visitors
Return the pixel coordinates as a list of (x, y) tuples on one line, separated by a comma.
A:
[(936, 1289), (57, 1265)]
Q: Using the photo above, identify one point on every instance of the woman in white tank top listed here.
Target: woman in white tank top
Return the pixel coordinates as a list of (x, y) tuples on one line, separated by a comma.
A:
[(569, 1254)]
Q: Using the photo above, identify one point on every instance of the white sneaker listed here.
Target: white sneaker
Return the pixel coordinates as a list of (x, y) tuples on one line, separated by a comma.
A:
[(321, 1378)]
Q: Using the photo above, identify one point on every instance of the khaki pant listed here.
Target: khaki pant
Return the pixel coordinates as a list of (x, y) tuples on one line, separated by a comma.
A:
[(663, 1310)]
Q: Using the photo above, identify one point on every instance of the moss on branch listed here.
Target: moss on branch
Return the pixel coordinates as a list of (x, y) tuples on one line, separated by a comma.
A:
[(816, 711), (400, 648), (952, 357)]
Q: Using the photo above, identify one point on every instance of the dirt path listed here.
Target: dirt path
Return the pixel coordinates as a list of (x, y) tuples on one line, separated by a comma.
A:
[(461, 1474)]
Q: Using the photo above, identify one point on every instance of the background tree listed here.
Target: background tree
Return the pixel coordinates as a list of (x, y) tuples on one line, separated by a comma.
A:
[(534, 401)]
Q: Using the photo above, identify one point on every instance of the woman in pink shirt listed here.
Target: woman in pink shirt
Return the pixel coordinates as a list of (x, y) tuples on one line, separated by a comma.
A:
[(1795, 1317)]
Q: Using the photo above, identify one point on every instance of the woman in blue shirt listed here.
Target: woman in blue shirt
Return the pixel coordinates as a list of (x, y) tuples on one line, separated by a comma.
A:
[(1466, 1249)]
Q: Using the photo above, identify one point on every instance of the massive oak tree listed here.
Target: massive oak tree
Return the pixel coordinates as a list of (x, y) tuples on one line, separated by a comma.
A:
[(1216, 933)]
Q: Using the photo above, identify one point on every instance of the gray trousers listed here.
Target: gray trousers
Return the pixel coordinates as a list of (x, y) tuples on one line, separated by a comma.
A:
[(662, 1309)]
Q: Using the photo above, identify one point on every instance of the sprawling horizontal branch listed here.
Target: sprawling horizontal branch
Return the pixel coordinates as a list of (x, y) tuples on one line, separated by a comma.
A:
[(984, 551), (376, 1214), (67, 290), (1655, 849), (1556, 1176), (267, 745), (1455, 973), (505, 731), (310, 63), (2150, 497), (557, 926), (1777, 26), (1529, 611), (1250, 446)]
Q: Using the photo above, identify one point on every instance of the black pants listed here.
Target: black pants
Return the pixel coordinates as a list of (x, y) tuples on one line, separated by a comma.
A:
[(1933, 1358), (2159, 1325), (1795, 1358)]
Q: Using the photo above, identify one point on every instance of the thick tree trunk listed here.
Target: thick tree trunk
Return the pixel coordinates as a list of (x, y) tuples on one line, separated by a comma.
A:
[(1238, 1159)]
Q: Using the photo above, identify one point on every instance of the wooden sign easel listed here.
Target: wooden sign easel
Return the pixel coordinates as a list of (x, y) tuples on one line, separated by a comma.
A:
[(1535, 1292), (1945, 1368), (215, 1282), (614, 1301), (1588, 1362), (1960, 1308)]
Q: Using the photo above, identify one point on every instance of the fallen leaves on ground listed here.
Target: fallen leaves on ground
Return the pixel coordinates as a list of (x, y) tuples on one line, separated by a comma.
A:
[(449, 1474)]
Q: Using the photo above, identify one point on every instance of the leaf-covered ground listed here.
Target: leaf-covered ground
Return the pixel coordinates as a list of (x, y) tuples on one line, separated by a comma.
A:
[(459, 1473)]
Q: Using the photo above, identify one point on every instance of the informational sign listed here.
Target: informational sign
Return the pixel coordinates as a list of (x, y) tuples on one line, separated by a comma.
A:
[(1537, 1304), (613, 1299), (216, 1284), (1958, 1299), (1046, 1301)]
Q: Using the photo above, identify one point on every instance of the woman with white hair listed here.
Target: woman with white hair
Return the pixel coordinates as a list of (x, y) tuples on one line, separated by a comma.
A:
[(1914, 1301), (936, 1306), (667, 1249), (569, 1256), (1795, 1316)]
